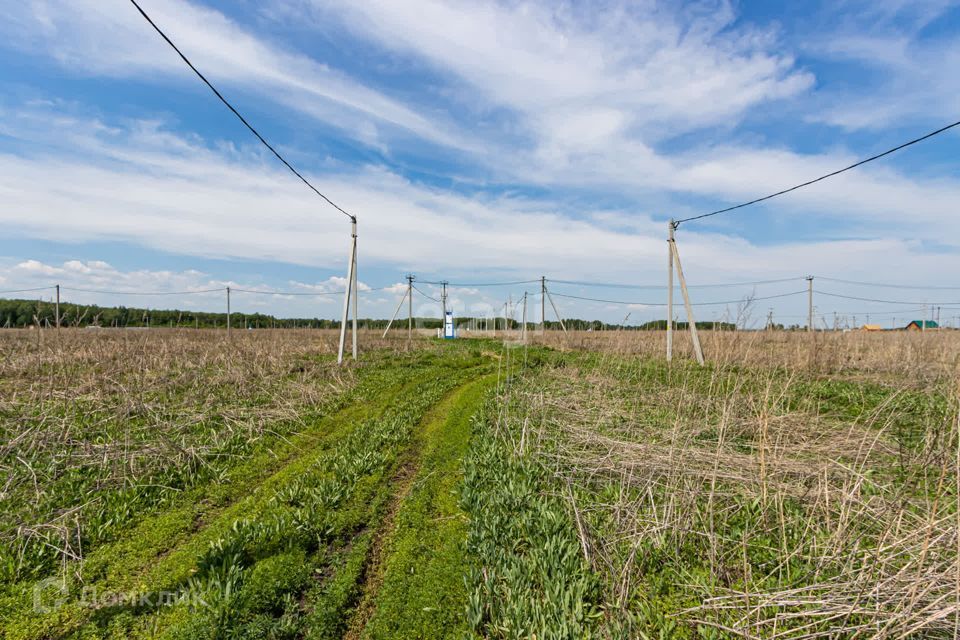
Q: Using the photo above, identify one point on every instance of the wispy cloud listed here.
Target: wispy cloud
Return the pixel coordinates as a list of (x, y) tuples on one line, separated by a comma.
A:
[(898, 71), (93, 37)]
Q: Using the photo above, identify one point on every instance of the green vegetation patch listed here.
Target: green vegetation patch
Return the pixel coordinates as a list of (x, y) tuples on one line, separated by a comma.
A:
[(423, 594)]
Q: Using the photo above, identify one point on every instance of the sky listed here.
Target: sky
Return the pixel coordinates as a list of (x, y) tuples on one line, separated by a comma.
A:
[(483, 142)]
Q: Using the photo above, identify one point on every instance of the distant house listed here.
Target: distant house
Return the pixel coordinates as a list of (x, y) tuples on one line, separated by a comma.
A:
[(920, 325), (871, 327)]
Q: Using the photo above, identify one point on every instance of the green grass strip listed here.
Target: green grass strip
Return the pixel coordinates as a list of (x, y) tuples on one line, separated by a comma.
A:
[(423, 594)]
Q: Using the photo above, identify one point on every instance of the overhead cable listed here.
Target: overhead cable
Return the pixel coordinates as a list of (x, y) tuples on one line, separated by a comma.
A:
[(823, 177), (661, 304), (143, 293), (28, 290), (425, 295), (479, 284), (914, 302), (612, 285), (237, 113), (270, 292), (887, 286)]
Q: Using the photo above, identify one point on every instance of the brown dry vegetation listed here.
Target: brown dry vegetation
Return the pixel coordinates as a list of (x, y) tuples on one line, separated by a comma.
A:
[(798, 486), (84, 413)]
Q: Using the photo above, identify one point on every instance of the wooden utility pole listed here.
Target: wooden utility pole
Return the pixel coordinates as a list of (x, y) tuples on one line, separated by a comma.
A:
[(57, 309), (809, 303), (228, 312), (671, 228)]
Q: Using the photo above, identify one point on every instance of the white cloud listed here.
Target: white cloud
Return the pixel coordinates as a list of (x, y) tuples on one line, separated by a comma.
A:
[(896, 71), (97, 282), (147, 187), (109, 37), (580, 76)]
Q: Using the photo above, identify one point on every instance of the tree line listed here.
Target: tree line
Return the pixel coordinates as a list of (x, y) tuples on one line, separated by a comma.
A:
[(27, 313)]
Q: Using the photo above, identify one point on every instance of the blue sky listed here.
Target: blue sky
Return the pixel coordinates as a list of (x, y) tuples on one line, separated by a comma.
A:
[(481, 141)]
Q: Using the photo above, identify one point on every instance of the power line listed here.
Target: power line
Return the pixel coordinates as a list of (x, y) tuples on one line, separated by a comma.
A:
[(287, 293), (26, 290), (914, 302), (425, 295), (480, 284), (887, 286), (142, 293), (612, 285), (660, 304), (237, 113), (823, 177), (270, 292)]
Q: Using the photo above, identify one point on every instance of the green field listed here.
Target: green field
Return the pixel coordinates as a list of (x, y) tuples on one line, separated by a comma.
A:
[(172, 484)]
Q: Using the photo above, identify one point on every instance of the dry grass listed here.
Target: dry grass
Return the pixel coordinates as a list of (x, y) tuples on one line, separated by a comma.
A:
[(866, 353), (799, 487), (90, 412)]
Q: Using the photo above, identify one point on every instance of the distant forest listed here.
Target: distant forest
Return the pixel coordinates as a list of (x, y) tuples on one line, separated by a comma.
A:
[(26, 313)]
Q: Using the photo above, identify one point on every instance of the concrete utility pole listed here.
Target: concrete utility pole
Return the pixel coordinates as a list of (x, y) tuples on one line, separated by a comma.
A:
[(543, 304), (809, 303), (350, 291), (691, 321), (228, 312), (670, 233), (409, 309), (524, 333), (57, 309), (396, 313), (443, 302), (356, 290)]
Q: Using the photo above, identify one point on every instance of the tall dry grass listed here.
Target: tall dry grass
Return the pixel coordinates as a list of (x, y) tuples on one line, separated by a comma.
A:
[(88, 413), (886, 352), (800, 486)]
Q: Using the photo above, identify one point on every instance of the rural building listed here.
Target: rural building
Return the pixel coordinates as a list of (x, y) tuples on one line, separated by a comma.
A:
[(872, 327), (919, 325)]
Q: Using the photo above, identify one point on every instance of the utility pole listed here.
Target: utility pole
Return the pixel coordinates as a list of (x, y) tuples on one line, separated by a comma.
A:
[(443, 302), (228, 313), (524, 333), (559, 317), (351, 286), (356, 289), (670, 237), (57, 309), (770, 320), (938, 319), (923, 321), (395, 313), (410, 279), (809, 303), (543, 304), (691, 321)]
